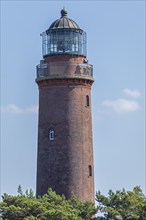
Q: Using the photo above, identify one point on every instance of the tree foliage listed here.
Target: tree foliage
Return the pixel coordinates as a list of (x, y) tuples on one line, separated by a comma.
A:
[(122, 205), (49, 207)]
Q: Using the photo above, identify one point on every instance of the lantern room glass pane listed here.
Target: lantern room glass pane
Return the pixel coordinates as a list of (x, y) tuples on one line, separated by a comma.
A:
[(64, 42)]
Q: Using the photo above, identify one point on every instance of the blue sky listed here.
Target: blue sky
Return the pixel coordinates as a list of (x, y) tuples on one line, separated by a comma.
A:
[(116, 48)]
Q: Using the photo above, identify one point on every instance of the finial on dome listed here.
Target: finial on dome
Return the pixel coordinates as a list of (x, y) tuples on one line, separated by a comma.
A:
[(63, 12)]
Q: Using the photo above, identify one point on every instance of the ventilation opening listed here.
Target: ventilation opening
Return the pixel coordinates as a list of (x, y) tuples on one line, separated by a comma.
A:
[(87, 101), (90, 170), (51, 135)]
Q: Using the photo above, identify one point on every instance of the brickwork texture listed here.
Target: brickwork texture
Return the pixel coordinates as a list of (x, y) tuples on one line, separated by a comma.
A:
[(65, 164)]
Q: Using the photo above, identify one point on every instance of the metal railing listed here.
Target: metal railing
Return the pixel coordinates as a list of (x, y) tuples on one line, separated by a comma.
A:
[(64, 70)]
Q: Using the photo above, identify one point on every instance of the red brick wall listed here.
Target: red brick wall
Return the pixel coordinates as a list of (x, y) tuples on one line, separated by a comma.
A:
[(63, 164)]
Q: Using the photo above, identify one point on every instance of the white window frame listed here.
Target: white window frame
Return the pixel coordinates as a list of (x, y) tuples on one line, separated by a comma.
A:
[(51, 135)]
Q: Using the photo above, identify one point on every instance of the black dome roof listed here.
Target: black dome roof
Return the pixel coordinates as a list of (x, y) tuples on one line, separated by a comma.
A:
[(63, 22)]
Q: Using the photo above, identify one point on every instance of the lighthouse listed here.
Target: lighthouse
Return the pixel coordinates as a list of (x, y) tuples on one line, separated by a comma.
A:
[(65, 146)]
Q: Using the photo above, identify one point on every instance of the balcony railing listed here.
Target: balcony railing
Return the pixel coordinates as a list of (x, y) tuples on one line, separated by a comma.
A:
[(64, 70)]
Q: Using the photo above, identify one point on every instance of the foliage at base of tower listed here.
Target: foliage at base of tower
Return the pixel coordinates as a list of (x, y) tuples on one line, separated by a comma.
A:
[(122, 205), (49, 207)]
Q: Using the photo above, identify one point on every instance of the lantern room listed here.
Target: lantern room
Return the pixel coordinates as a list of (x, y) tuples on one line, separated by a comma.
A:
[(64, 37)]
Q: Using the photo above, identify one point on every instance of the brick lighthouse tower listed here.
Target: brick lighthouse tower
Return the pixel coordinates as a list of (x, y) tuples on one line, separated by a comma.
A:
[(64, 78)]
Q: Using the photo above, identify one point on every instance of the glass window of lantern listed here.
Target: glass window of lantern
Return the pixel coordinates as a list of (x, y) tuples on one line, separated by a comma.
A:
[(64, 41)]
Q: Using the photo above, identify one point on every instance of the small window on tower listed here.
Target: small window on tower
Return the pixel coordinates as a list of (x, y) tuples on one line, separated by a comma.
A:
[(87, 101), (51, 135), (90, 170)]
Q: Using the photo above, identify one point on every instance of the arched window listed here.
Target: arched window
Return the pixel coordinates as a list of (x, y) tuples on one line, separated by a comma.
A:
[(51, 135), (87, 100), (90, 170)]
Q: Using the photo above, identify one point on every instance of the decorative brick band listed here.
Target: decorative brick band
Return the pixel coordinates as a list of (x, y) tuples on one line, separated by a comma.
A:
[(65, 82)]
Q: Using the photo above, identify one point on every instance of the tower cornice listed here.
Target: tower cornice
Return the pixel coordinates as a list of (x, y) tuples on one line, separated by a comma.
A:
[(65, 82)]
